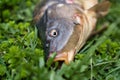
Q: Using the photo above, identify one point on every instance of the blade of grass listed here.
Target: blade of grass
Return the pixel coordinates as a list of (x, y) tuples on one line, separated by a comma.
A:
[(50, 60), (99, 41)]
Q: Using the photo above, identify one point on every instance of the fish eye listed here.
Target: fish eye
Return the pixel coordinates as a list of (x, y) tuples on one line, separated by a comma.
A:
[(53, 33)]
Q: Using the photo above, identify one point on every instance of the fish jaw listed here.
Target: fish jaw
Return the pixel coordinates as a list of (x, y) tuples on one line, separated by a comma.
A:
[(67, 57)]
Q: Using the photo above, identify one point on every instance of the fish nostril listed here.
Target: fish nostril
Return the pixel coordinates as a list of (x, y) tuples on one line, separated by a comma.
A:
[(47, 45)]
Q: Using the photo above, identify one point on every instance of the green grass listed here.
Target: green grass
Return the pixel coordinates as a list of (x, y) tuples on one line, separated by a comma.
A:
[(22, 57)]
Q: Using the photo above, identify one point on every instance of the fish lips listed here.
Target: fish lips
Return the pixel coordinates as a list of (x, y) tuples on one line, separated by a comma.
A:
[(66, 57)]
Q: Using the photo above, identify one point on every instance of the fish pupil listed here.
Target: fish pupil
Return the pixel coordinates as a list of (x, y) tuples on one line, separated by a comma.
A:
[(55, 33)]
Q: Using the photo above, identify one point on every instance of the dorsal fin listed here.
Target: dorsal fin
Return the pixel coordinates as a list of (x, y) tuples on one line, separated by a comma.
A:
[(101, 9), (88, 3)]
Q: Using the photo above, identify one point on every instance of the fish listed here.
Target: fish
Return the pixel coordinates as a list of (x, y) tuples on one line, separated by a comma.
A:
[(64, 27)]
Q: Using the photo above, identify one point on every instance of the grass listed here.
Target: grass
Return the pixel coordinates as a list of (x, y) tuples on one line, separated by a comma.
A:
[(22, 57)]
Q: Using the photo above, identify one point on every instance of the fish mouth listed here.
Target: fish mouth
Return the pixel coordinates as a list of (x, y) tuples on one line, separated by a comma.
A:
[(66, 57)]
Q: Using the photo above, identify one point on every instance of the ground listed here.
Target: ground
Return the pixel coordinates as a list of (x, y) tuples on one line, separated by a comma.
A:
[(22, 57)]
